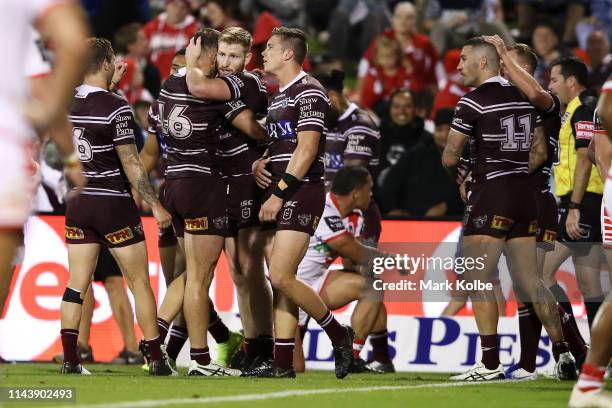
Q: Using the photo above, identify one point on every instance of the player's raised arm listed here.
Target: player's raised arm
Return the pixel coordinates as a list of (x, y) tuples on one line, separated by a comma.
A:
[(538, 152), (516, 74), (198, 83)]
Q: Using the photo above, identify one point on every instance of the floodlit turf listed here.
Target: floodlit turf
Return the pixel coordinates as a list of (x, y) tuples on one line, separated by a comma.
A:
[(110, 385)]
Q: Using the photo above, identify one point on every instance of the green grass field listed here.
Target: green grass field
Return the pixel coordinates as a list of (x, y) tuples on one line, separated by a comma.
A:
[(124, 386)]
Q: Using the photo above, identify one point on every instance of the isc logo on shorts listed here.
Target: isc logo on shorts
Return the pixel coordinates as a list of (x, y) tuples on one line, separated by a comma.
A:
[(501, 223), (196, 224), (74, 233), (120, 236)]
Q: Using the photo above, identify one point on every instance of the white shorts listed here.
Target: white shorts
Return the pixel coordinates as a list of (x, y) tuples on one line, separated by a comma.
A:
[(17, 182), (606, 213), (314, 275)]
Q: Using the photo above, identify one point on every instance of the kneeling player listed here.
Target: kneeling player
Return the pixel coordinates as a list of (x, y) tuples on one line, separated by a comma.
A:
[(104, 129), (337, 235)]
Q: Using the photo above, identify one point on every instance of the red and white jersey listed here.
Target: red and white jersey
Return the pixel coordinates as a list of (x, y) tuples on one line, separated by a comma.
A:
[(319, 255), (38, 63), (16, 19)]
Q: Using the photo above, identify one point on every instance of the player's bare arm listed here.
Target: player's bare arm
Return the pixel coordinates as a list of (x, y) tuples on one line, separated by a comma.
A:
[(604, 107), (591, 153), (538, 152), (263, 177), (452, 151), (304, 155), (348, 247), (150, 153), (198, 83), (526, 83), (136, 174), (66, 28), (120, 70), (248, 124), (581, 179)]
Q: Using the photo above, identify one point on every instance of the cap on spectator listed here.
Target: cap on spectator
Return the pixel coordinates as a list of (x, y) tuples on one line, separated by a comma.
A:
[(451, 60), (444, 116)]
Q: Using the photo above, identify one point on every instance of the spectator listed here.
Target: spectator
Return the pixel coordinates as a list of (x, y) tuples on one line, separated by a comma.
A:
[(107, 16), (289, 12), (418, 184), (400, 130), (385, 76), (353, 25), (223, 13), (452, 22), (454, 89), (545, 43), (170, 32), (598, 50), (420, 56), (132, 48), (568, 12)]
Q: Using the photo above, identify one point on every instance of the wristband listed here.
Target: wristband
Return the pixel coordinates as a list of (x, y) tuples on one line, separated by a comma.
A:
[(287, 186), (71, 161), (573, 206)]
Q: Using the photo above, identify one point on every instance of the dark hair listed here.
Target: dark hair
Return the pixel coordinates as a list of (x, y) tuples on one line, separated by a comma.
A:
[(294, 39), (209, 38), (525, 53), (349, 178), (402, 91), (180, 52), (332, 81), (572, 66), (126, 35), (100, 50), (547, 24)]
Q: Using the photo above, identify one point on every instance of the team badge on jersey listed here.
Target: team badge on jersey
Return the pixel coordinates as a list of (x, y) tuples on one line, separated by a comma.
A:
[(74, 233), (479, 222), (196, 224), (220, 222), (304, 219), (139, 230), (122, 235), (501, 223)]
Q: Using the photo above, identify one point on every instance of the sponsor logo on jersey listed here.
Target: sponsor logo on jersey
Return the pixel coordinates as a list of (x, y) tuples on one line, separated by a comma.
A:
[(122, 235), (304, 219), (334, 223), (533, 227), (501, 223), (549, 236), (196, 224), (74, 233)]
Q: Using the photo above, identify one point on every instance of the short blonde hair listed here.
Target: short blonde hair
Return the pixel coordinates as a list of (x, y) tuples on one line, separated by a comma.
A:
[(237, 35)]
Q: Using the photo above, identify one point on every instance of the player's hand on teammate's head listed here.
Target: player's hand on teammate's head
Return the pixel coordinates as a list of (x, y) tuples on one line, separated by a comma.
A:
[(497, 42), (193, 51), (270, 209), (120, 70), (162, 216), (263, 177)]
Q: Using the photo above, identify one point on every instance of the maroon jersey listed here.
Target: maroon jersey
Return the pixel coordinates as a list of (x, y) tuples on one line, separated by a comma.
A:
[(191, 125), (155, 127), (302, 105), (101, 121), (354, 137), (551, 120), (237, 151), (499, 122)]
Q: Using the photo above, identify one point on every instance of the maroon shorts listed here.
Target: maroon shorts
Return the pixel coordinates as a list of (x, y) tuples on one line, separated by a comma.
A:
[(301, 211), (547, 220), (197, 205), (110, 220), (166, 235), (372, 224), (243, 203), (505, 207)]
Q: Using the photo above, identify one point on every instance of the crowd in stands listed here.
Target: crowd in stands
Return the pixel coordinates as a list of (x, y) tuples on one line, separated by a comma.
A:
[(400, 58)]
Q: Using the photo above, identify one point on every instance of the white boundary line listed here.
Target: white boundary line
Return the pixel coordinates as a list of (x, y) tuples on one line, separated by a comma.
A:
[(273, 395)]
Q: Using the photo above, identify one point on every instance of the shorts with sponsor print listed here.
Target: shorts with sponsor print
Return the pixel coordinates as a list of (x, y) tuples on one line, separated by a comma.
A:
[(17, 182), (372, 226), (197, 205), (505, 207), (301, 211), (590, 218), (166, 236), (547, 221), (243, 203), (110, 220)]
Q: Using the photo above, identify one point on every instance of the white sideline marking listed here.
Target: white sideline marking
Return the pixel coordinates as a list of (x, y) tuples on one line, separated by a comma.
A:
[(273, 395)]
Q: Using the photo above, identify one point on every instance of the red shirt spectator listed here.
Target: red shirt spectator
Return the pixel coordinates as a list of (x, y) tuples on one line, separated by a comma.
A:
[(170, 32), (420, 55), (386, 76), (448, 96)]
